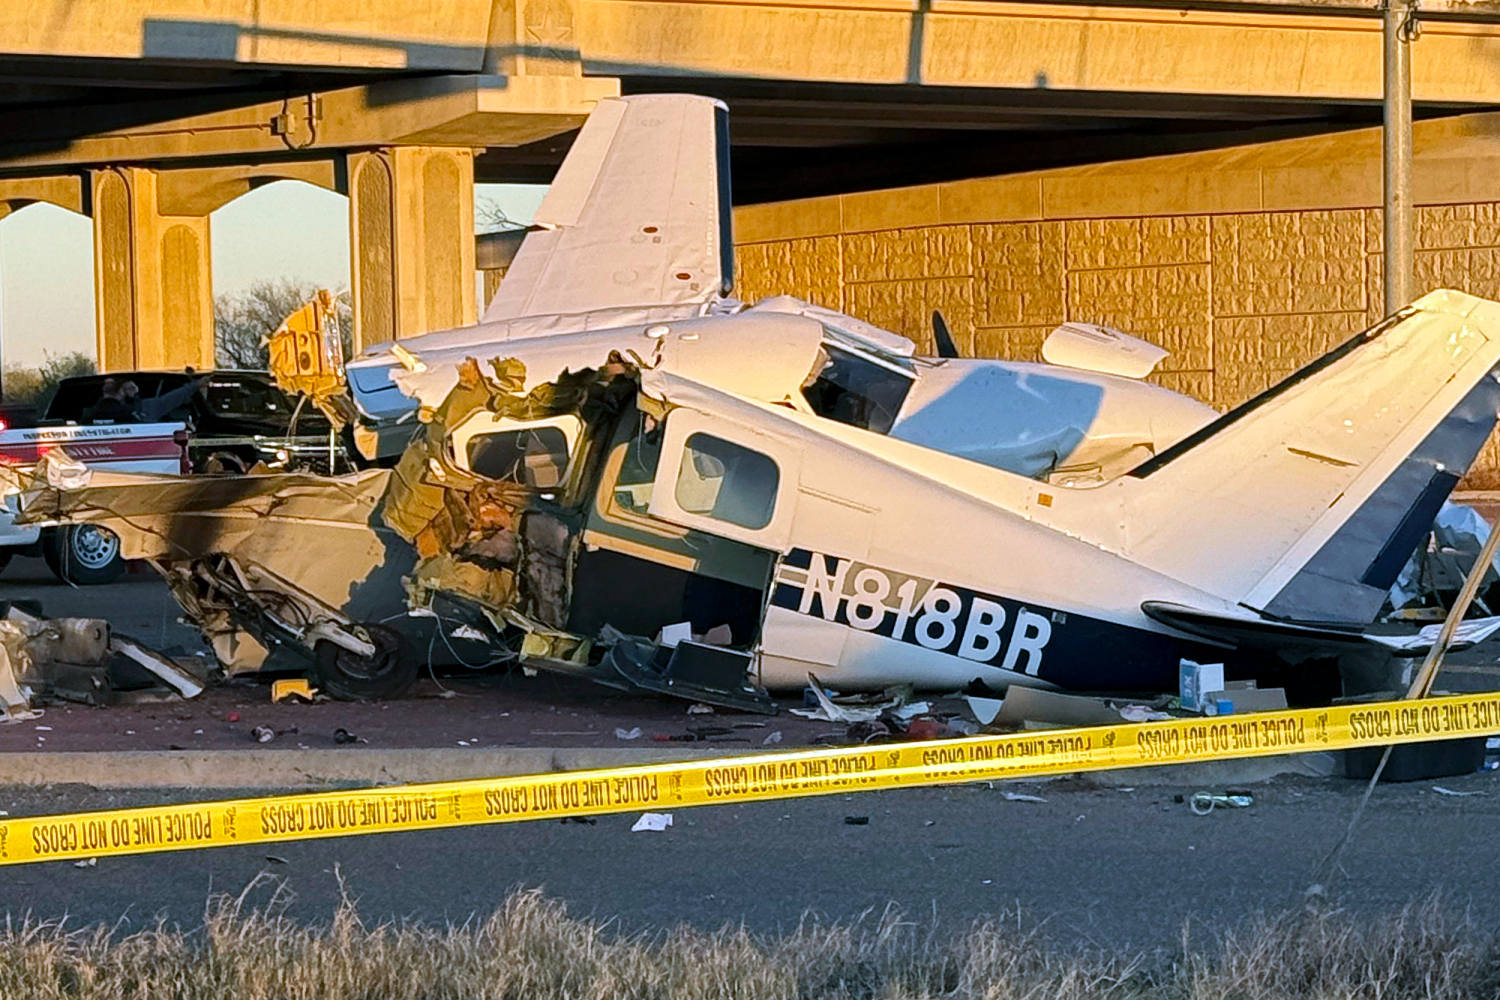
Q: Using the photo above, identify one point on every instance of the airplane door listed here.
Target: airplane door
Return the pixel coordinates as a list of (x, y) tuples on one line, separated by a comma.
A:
[(726, 479)]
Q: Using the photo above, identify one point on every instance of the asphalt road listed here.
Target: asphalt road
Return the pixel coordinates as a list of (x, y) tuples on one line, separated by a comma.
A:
[(137, 605), (1098, 866), (1095, 865)]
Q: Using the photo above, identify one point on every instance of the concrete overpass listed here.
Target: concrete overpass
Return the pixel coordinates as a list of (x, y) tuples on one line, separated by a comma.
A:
[(149, 114)]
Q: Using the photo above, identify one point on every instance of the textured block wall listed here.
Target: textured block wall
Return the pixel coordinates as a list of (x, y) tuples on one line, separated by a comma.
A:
[(1239, 299)]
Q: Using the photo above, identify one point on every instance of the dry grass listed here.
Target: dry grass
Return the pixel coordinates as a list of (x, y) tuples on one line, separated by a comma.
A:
[(530, 949)]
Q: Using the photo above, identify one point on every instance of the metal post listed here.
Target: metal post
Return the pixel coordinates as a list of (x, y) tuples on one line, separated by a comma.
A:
[(1399, 25)]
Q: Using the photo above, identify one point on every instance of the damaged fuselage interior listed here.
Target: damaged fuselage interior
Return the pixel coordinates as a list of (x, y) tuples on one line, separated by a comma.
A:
[(529, 514)]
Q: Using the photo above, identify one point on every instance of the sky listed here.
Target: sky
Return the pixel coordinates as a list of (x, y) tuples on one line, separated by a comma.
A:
[(287, 229)]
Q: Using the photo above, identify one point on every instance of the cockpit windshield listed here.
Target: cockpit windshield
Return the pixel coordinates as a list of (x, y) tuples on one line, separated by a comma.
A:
[(854, 390)]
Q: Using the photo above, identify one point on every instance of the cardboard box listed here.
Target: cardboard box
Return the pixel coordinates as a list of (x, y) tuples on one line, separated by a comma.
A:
[(1195, 682)]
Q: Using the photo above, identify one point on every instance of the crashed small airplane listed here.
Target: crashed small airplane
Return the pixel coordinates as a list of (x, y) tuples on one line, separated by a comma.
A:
[(623, 474)]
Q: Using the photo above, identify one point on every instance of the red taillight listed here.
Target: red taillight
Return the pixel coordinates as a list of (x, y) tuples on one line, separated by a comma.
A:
[(4, 424), (184, 463)]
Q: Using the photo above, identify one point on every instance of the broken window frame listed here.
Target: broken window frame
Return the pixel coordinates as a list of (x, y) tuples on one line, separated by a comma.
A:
[(836, 344), (484, 423)]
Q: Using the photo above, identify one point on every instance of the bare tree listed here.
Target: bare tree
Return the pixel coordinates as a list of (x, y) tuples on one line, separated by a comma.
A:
[(36, 385), (243, 320), (489, 217)]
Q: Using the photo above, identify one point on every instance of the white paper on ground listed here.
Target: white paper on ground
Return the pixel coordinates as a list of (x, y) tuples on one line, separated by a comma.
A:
[(652, 823)]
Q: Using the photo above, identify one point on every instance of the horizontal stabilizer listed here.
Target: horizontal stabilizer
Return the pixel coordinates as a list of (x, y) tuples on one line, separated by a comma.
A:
[(1246, 630), (1249, 631)]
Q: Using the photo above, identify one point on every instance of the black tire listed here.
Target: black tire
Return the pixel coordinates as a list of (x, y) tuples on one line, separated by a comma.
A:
[(348, 676), (5, 557), (83, 554), (222, 463)]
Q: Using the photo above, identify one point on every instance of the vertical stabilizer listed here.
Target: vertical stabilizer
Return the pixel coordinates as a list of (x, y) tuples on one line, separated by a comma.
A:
[(1304, 502), (637, 219)]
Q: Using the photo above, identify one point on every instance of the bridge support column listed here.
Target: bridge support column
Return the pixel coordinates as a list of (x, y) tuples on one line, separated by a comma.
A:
[(411, 241), (153, 291)]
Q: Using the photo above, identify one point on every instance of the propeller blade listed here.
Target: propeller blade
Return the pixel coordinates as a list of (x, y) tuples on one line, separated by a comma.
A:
[(945, 346)]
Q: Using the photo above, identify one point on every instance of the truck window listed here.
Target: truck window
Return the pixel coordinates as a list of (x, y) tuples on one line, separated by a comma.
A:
[(243, 397), (726, 481)]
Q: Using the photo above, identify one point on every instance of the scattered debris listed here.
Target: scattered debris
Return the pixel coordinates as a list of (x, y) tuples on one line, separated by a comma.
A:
[(1469, 633), (924, 728), (874, 731), (829, 710), (671, 635), (1196, 683), (277, 859), (43, 660), (698, 708), (634, 733), (1021, 797), (1203, 803), (984, 709), (1140, 713), (90, 863), (342, 736), (232, 717), (1029, 708), (856, 821), (773, 737), (1449, 791), (580, 820), (652, 823), (264, 734), (292, 687)]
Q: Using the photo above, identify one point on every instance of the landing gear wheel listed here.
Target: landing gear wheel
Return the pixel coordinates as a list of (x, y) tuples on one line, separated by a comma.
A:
[(347, 675), (83, 554)]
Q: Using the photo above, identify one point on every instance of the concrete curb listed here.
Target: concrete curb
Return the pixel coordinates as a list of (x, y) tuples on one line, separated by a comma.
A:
[(354, 767)]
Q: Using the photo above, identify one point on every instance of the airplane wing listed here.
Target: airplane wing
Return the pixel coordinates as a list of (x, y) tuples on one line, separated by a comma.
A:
[(638, 217), (1250, 631)]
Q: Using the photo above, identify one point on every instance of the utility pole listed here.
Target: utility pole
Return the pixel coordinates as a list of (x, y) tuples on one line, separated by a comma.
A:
[(1400, 27)]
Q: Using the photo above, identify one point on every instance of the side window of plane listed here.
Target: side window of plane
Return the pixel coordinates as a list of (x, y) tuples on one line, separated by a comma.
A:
[(532, 456), (726, 481), (638, 469)]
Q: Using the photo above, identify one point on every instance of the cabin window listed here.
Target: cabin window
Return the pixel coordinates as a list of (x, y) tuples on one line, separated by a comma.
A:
[(727, 482), (853, 390), (638, 469), (531, 456)]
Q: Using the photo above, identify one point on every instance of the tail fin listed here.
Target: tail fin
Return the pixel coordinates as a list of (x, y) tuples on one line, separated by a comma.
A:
[(1305, 502), (637, 217)]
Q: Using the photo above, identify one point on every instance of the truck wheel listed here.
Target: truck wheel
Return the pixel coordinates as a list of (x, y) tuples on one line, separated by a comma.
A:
[(223, 463), (5, 556), (349, 676), (83, 554)]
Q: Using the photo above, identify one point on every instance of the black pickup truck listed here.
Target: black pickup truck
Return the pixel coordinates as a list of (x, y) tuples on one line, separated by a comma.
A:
[(236, 419)]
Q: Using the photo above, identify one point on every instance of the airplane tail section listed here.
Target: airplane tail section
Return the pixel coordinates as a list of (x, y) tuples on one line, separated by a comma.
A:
[(1305, 502), (638, 217)]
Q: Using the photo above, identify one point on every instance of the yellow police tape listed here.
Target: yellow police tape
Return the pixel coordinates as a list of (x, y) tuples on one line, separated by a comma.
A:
[(739, 779)]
